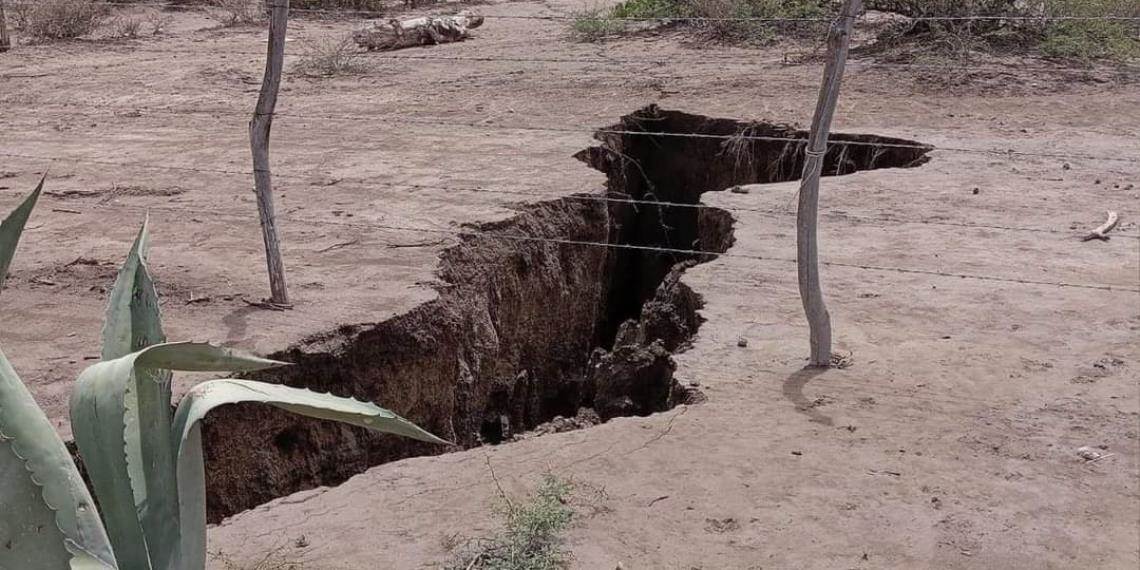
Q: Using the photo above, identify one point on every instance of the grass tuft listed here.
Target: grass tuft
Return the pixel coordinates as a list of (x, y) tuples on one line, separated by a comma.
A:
[(240, 12), (331, 57), (594, 25), (531, 537)]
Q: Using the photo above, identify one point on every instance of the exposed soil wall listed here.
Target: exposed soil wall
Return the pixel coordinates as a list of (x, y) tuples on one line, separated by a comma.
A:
[(523, 330)]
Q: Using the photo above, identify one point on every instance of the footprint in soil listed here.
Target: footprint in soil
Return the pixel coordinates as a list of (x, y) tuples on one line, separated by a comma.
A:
[(1102, 368)]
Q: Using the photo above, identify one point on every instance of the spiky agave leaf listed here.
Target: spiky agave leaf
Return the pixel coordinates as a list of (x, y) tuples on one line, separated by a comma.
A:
[(49, 520), (133, 322), (209, 395), (13, 226), (102, 423)]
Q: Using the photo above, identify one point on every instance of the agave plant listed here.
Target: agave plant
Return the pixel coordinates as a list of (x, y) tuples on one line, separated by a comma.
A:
[(144, 461)]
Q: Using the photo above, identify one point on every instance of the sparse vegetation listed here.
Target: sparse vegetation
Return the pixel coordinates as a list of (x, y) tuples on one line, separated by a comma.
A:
[(126, 26), (744, 21), (157, 22), (49, 20), (531, 537), (240, 12), (346, 5), (727, 20), (594, 24), (276, 559), (1090, 39), (331, 57), (1027, 30)]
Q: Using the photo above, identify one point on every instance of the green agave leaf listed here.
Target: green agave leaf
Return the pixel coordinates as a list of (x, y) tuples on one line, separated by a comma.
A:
[(133, 322), (49, 519), (13, 226), (104, 426), (150, 454), (209, 395)]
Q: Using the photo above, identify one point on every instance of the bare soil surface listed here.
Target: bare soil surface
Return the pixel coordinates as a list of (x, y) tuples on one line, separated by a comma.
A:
[(948, 440)]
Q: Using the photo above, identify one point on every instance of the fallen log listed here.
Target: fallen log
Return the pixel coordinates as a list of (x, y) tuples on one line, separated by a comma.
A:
[(1104, 228), (426, 30)]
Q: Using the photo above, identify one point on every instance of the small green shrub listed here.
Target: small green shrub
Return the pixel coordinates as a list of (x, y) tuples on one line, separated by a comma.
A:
[(126, 26), (1093, 39), (594, 24), (346, 5), (240, 12), (650, 9), (1028, 30), (531, 537), (727, 20), (330, 57)]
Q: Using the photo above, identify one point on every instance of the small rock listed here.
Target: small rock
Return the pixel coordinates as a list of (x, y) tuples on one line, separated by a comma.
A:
[(738, 190), (1097, 181), (742, 342), (975, 191), (1066, 166), (797, 453)]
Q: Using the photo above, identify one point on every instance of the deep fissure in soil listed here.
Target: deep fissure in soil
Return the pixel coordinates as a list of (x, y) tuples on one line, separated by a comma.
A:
[(526, 331)]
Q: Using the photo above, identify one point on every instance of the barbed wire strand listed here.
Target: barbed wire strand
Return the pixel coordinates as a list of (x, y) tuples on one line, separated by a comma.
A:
[(709, 60), (441, 122), (469, 232), (584, 197)]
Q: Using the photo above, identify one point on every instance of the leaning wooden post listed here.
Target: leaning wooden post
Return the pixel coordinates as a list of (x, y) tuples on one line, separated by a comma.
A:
[(5, 42), (259, 145), (807, 250)]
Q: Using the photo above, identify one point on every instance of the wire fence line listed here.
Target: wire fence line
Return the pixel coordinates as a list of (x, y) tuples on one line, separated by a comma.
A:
[(449, 123), (708, 60), (349, 12), (471, 232), (535, 194)]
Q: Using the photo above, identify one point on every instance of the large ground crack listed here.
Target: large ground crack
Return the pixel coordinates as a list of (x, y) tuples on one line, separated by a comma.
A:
[(528, 330)]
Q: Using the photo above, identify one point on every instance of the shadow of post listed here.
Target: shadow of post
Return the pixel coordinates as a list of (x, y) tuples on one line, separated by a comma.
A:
[(794, 391)]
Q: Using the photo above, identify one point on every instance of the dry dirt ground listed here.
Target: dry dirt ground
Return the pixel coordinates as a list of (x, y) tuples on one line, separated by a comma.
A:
[(949, 442)]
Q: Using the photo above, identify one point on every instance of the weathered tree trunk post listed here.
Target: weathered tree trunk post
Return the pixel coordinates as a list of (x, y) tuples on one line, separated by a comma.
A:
[(5, 41), (807, 250), (259, 145)]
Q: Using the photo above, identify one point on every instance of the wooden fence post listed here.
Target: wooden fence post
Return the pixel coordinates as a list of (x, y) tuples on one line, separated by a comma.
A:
[(259, 146), (807, 250), (5, 41)]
